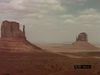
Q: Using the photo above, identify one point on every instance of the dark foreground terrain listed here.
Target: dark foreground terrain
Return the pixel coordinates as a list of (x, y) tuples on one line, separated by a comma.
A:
[(45, 64)]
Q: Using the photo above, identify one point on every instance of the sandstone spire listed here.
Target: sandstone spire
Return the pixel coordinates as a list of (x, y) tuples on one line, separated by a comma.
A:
[(24, 30)]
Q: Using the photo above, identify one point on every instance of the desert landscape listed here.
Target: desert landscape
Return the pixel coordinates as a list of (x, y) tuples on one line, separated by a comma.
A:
[(18, 56)]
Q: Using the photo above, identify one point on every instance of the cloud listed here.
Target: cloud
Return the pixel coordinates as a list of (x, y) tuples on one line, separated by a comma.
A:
[(25, 8), (36, 5), (17, 4), (87, 17), (68, 3)]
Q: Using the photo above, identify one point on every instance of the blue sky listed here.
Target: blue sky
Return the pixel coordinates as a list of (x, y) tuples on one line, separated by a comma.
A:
[(54, 21)]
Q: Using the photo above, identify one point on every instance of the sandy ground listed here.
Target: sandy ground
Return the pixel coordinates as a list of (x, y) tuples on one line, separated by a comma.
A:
[(65, 48), (57, 60), (45, 64)]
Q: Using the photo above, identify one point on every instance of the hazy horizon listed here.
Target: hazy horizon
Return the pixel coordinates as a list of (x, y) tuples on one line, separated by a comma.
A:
[(54, 21)]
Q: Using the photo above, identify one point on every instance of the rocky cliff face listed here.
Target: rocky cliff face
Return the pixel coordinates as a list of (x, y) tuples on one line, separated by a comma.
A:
[(11, 30), (14, 40)]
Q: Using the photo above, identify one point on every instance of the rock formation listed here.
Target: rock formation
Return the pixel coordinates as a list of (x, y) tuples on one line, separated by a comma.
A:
[(82, 37), (11, 30), (14, 40), (82, 43)]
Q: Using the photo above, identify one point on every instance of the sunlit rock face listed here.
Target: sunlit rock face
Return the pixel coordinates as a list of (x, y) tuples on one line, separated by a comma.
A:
[(82, 37), (14, 40)]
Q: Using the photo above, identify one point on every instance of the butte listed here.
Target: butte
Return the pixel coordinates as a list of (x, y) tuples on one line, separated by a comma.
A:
[(82, 43), (13, 39)]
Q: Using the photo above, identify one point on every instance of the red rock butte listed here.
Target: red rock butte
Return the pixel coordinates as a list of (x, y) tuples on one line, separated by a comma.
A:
[(14, 40), (82, 43)]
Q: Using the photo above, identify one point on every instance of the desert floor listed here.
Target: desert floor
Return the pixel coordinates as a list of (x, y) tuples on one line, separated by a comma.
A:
[(47, 63)]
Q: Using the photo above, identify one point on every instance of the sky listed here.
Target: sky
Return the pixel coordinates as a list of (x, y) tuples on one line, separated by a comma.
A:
[(54, 21)]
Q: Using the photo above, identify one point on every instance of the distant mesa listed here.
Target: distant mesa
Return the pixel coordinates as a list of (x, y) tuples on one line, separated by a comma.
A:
[(82, 43), (82, 37), (14, 40)]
